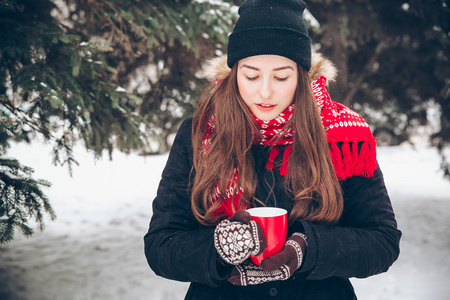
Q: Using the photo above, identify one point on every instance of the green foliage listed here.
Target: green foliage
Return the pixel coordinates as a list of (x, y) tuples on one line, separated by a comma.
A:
[(393, 58), (158, 50), (109, 74), (60, 86), (21, 196)]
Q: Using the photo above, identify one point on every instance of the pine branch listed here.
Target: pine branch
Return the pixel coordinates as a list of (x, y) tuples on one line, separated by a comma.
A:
[(19, 192)]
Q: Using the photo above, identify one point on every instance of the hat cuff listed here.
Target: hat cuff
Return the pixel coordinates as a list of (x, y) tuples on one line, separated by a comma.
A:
[(270, 41)]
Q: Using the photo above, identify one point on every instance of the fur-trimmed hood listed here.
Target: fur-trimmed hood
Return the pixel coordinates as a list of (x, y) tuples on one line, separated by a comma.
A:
[(217, 68)]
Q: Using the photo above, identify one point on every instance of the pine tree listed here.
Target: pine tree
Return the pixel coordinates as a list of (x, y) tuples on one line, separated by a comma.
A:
[(110, 74), (393, 61), (159, 47)]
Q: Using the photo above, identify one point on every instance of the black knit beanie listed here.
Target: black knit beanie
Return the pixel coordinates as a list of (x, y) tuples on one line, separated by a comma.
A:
[(271, 27)]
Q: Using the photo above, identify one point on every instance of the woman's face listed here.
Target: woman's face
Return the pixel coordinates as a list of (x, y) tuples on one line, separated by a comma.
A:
[(267, 83)]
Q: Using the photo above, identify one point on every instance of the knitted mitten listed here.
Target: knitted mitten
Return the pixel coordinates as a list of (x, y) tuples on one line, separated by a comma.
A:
[(290, 257), (278, 267), (238, 237), (248, 273)]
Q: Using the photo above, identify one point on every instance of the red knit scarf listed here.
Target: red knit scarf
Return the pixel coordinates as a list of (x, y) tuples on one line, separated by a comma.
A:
[(342, 125)]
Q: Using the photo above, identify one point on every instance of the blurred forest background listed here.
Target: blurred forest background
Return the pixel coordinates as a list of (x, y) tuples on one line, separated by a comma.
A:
[(123, 74)]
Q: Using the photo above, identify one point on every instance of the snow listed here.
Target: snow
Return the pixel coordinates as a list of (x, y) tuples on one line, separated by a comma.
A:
[(94, 250)]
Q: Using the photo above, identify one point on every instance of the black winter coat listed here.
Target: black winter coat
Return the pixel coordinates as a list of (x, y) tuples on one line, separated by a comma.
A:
[(364, 242)]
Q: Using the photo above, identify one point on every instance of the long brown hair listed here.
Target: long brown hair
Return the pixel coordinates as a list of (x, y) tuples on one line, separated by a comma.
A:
[(310, 180)]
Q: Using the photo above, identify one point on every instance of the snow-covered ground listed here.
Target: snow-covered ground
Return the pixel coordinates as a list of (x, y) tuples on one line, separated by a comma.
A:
[(94, 250)]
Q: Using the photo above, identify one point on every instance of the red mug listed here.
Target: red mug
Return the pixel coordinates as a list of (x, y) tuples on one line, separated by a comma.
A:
[(273, 221)]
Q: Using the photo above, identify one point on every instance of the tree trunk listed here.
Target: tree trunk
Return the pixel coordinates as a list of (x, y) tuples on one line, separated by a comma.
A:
[(334, 39)]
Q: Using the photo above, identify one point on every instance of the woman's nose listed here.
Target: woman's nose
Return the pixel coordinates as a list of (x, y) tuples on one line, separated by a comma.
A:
[(266, 90)]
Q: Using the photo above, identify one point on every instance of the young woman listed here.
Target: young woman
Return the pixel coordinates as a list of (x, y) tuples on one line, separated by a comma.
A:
[(266, 133)]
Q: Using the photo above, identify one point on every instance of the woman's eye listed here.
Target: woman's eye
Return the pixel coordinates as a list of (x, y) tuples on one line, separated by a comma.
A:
[(252, 78), (281, 78)]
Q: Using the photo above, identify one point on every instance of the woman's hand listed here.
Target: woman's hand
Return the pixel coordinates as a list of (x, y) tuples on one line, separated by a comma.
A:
[(278, 267), (238, 237)]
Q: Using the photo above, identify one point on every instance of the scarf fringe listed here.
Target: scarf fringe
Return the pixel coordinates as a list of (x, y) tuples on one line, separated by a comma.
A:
[(350, 161), (271, 161), (284, 164)]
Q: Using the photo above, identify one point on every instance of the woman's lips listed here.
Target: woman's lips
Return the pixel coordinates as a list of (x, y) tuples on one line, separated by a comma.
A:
[(265, 107)]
